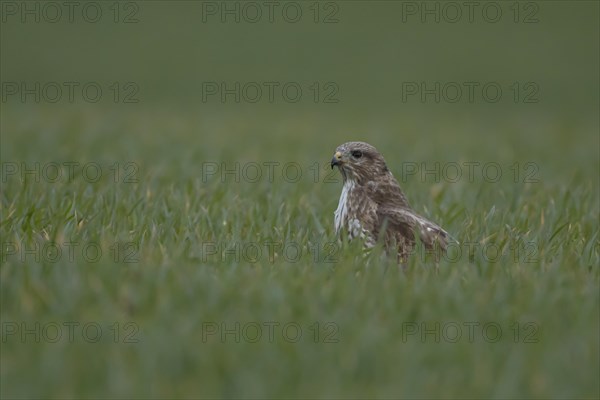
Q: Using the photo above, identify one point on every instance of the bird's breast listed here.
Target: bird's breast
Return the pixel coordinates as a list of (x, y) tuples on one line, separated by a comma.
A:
[(344, 215), (348, 214), (341, 213)]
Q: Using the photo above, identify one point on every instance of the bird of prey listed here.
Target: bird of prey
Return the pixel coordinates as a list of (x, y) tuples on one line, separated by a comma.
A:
[(373, 207)]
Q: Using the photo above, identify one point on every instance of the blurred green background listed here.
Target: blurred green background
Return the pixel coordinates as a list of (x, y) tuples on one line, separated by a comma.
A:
[(363, 55), (368, 54)]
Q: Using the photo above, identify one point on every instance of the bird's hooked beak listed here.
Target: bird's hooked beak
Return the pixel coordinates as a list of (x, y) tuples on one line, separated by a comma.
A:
[(336, 160)]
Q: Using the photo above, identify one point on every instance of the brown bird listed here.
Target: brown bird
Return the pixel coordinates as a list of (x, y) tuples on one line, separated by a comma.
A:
[(373, 207)]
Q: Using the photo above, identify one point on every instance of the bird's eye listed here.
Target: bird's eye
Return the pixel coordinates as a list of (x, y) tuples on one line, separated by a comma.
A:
[(356, 154)]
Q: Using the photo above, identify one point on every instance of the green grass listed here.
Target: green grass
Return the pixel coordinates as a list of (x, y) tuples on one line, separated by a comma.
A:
[(543, 297)]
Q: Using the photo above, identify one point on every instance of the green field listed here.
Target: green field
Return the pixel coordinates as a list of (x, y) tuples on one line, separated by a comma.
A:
[(181, 246)]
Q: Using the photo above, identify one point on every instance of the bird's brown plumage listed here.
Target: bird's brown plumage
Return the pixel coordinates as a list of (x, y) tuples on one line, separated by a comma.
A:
[(373, 207)]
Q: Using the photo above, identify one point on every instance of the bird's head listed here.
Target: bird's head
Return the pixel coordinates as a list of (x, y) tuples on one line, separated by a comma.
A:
[(359, 162)]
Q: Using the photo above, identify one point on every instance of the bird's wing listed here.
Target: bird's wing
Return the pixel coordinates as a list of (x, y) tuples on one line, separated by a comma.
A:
[(406, 223), (363, 208)]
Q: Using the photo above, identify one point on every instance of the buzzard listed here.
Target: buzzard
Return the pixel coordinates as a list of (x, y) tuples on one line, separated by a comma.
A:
[(373, 207)]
